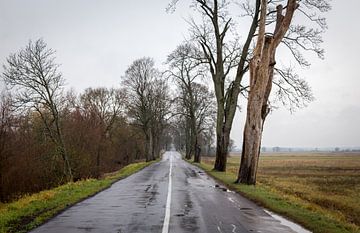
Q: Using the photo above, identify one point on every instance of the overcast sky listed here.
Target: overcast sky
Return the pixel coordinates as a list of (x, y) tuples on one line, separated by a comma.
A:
[(97, 40)]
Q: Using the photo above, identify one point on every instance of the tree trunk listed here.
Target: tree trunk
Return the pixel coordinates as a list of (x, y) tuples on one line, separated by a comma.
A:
[(197, 155), (261, 74), (148, 146), (222, 140), (254, 118), (98, 162), (156, 145), (194, 136), (251, 145), (188, 140), (67, 167), (222, 144), (98, 155)]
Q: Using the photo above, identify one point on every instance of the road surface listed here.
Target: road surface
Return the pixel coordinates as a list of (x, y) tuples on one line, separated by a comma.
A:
[(169, 196)]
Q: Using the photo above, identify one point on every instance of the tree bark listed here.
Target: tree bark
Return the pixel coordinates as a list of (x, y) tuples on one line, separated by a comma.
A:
[(222, 144), (261, 74), (197, 155), (222, 138), (188, 145)]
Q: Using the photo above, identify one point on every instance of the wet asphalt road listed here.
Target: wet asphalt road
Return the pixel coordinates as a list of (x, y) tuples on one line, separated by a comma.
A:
[(138, 204)]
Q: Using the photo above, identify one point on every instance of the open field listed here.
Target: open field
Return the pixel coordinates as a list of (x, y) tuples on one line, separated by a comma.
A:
[(326, 184)]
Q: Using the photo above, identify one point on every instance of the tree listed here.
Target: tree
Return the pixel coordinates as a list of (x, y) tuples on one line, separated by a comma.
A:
[(148, 102), (34, 75), (106, 106), (262, 67), (195, 101), (137, 80), (222, 56), (160, 106)]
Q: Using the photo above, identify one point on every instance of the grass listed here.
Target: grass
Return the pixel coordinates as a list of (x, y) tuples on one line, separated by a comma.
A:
[(319, 191), (30, 211)]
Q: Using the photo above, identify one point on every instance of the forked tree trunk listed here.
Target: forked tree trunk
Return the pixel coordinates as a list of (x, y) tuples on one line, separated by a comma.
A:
[(261, 74)]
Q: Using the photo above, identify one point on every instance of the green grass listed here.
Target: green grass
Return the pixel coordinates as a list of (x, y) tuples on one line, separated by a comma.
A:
[(320, 191), (30, 211)]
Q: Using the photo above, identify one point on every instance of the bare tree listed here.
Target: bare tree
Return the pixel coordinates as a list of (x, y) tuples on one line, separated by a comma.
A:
[(106, 105), (147, 101), (195, 101), (262, 67), (205, 111), (37, 84), (223, 54), (184, 70), (160, 105), (137, 80)]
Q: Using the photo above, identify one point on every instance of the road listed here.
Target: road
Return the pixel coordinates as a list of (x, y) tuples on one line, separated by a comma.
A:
[(169, 196)]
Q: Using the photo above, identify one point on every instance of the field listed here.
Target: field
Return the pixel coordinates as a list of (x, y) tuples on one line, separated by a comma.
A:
[(326, 185)]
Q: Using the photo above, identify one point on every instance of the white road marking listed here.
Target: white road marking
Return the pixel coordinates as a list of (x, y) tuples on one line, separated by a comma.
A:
[(165, 228), (234, 228), (295, 227)]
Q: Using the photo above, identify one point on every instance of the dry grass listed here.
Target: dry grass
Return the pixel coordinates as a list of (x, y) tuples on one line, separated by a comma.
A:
[(327, 183)]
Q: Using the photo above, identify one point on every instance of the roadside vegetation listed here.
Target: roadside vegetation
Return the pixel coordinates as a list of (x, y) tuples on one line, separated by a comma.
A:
[(50, 135), (319, 191), (31, 210)]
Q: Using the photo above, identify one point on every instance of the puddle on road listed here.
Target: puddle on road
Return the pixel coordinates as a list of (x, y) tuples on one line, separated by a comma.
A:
[(295, 227), (222, 188)]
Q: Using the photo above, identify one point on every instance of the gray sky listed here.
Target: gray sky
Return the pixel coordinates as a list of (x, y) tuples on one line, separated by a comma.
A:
[(97, 40)]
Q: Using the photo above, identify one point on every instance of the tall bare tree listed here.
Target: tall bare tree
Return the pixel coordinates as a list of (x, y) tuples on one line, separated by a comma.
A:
[(148, 102), (37, 84), (262, 68), (184, 70), (195, 101), (137, 80), (160, 102), (222, 55)]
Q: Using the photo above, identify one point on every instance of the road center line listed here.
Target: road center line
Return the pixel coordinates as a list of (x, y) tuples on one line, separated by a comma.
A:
[(165, 228)]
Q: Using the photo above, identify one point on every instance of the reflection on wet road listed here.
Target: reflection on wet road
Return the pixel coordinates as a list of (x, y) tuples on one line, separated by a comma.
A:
[(165, 198)]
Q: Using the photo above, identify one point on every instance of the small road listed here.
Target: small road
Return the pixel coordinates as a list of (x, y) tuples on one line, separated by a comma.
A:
[(169, 196)]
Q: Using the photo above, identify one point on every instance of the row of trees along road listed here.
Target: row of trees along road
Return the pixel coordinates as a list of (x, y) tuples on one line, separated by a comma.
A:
[(149, 102), (49, 136), (229, 59), (194, 104)]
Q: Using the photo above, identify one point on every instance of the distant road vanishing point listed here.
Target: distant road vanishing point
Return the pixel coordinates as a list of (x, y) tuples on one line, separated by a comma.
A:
[(168, 196)]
